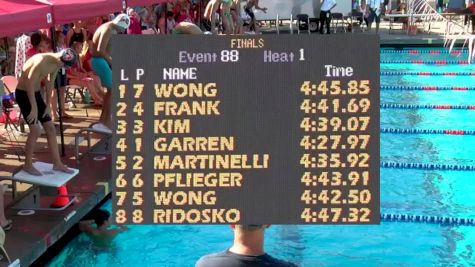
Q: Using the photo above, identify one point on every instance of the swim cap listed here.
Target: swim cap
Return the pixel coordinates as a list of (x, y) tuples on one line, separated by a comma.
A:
[(122, 20), (68, 57)]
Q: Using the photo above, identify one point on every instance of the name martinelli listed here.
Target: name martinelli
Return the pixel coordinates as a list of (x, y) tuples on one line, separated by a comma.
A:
[(214, 162)]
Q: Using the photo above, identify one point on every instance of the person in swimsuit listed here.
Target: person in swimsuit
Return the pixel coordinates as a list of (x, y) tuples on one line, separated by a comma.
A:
[(236, 13), (227, 18), (101, 61), (76, 34), (34, 108), (101, 235), (248, 8), (210, 14)]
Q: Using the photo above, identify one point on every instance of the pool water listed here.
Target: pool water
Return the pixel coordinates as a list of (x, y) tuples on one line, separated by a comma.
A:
[(403, 191)]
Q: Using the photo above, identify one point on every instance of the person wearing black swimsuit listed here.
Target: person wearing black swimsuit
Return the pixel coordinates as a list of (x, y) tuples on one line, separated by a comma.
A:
[(76, 34)]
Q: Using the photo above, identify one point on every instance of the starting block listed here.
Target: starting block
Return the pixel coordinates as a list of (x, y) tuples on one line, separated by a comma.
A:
[(43, 186), (85, 135)]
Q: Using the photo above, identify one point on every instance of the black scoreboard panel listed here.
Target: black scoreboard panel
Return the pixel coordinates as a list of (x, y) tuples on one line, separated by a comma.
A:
[(246, 129)]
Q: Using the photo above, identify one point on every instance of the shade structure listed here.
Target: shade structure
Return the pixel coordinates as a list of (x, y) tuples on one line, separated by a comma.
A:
[(66, 11), (17, 16), (134, 3)]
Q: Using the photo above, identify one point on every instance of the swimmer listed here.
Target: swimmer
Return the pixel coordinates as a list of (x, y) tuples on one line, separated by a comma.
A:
[(36, 109), (210, 14), (248, 8), (101, 60), (101, 235), (227, 18), (186, 28), (236, 13)]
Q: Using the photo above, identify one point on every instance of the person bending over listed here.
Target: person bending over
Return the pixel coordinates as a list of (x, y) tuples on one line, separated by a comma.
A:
[(101, 234), (34, 108), (101, 60), (248, 8), (247, 251), (186, 28)]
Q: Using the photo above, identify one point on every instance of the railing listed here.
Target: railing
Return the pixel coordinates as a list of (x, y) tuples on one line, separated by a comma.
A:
[(453, 32)]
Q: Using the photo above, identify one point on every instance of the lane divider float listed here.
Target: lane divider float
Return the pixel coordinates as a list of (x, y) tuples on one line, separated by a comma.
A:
[(428, 62), (417, 52), (402, 73), (427, 131), (413, 106), (426, 88), (427, 166), (442, 220)]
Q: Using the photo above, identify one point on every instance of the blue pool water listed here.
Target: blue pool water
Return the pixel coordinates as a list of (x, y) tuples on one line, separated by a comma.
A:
[(403, 191)]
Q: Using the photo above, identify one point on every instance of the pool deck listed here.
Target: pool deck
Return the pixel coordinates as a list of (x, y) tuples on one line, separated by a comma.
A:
[(32, 235), (397, 37)]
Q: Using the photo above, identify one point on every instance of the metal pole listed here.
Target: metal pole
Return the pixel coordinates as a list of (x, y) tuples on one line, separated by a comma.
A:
[(292, 24), (60, 109), (409, 24), (7, 48), (165, 6), (200, 17)]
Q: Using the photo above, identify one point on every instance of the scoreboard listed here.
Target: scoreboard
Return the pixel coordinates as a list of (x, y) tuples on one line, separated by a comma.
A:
[(264, 129)]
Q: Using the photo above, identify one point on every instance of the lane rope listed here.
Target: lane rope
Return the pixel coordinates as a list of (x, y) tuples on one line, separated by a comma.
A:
[(428, 62), (402, 73), (426, 88), (442, 220), (417, 52), (427, 166), (427, 131), (411, 106)]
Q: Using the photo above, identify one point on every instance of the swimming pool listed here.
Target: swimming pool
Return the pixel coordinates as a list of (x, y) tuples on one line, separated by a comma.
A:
[(403, 191)]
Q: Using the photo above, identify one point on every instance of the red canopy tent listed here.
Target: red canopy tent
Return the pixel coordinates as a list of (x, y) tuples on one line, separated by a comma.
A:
[(17, 16), (66, 11), (134, 3)]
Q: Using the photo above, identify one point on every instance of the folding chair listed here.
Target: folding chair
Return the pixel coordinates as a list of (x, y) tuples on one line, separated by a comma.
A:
[(338, 21), (358, 17), (8, 103), (303, 23), (313, 25), (72, 96)]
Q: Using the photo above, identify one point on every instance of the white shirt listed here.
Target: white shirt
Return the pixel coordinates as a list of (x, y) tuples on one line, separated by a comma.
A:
[(327, 4), (375, 4)]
